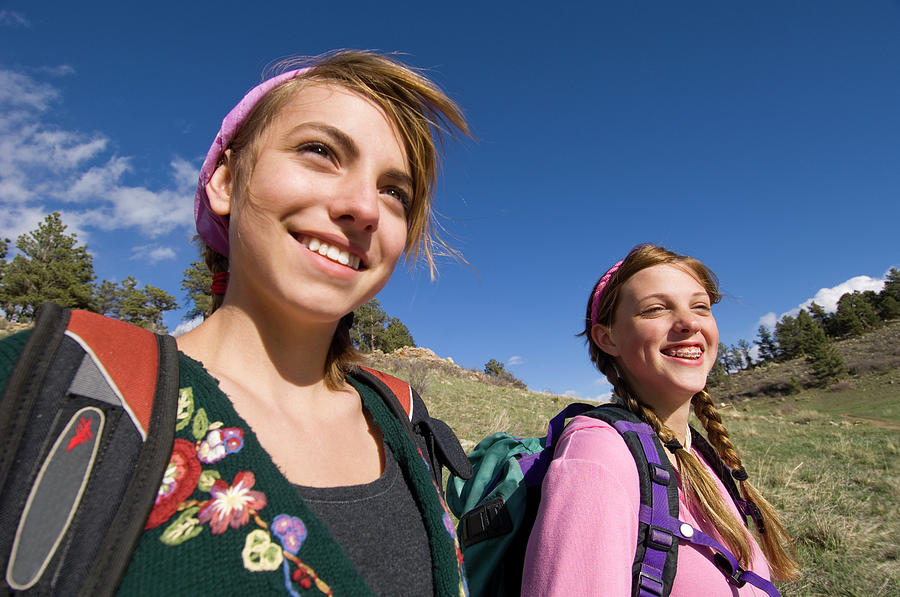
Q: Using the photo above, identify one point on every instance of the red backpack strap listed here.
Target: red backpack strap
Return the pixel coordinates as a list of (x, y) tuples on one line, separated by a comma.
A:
[(402, 390), (117, 348)]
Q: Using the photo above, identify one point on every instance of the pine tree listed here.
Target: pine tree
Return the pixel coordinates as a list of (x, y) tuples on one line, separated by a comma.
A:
[(196, 281), (368, 325), (744, 347), (50, 266), (787, 335), (768, 350), (855, 314), (396, 335)]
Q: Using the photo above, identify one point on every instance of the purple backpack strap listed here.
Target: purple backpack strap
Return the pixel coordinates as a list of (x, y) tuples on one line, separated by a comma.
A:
[(656, 556)]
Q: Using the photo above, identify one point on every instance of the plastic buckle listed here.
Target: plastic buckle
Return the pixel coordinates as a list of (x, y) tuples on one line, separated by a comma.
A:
[(649, 585), (658, 474), (660, 538), (733, 574)]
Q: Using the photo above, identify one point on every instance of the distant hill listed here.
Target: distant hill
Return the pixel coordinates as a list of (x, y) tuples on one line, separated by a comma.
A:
[(875, 352)]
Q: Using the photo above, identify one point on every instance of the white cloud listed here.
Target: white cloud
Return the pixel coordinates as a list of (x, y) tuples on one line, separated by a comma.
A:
[(62, 70), (13, 19), (768, 320), (515, 360), (186, 326), (42, 167), (152, 253)]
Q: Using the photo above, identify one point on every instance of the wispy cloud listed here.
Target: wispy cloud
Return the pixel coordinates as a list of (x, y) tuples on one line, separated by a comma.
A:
[(515, 360), (11, 18), (152, 253), (45, 168)]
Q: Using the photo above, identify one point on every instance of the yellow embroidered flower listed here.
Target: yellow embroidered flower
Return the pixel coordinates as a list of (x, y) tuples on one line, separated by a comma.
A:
[(259, 553)]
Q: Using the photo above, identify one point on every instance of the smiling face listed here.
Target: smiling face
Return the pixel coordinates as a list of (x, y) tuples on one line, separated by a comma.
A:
[(663, 336), (323, 222)]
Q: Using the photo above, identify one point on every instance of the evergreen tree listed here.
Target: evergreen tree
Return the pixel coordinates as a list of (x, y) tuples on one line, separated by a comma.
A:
[(825, 321), (196, 281), (107, 299), (737, 358), (50, 266), (855, 315), (368, 325), (144, 307), (717, 374), (892, 284), (496, 371), (744, 348), (808, 331), (826, 362), (888, 307), (768, 350), (396, 335), (787, 335)]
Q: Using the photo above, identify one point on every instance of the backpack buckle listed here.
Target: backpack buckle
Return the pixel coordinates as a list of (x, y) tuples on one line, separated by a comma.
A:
[(649, 585), (659, 474), (734, 573), (660, 539)]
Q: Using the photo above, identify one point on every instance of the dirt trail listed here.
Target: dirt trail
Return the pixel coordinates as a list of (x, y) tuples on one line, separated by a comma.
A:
[(880, 423)]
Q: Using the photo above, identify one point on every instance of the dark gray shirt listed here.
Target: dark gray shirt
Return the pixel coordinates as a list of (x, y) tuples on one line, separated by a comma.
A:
[(381, 530)]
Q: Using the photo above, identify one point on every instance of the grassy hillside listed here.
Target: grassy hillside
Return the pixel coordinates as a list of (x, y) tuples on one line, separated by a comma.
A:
[(828, 459)]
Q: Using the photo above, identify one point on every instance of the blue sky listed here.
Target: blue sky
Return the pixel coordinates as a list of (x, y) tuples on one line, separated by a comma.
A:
[(763, 138)]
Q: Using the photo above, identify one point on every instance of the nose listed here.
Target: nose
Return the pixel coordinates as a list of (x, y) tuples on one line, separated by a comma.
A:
[(356, 205), (687, 323)]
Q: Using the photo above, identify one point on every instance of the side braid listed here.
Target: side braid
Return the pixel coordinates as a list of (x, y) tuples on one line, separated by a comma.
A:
[(776, 543)]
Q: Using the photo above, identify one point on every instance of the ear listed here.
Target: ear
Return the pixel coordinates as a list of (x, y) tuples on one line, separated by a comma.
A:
[(219, 189), (602, 337)]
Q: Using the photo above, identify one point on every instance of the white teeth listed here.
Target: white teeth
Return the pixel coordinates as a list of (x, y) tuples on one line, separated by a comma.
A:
[(688, 352), (331, 252)]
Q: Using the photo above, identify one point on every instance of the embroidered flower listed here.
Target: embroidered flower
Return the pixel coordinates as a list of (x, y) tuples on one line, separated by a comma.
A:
[(232, 505), (219, 443), (259, 553), (178, 483), (291, 531)]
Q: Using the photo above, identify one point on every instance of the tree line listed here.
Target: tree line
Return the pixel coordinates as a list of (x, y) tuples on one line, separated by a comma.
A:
[(52, 265), (812, 332)]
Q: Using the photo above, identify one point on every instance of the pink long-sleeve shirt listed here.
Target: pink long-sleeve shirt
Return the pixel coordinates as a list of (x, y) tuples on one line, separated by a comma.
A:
[(584, 539)]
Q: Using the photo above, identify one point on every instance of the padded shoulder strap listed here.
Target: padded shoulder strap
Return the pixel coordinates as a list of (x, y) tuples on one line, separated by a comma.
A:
[(435, 439), (91, 439), (656, 557)]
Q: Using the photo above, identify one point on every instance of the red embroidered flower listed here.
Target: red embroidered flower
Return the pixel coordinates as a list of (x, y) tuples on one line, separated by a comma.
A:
[(231, 505), (178, 482)]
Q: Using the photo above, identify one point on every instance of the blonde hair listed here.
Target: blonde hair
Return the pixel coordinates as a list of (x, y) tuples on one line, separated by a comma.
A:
[(421, 112), (696, 480)]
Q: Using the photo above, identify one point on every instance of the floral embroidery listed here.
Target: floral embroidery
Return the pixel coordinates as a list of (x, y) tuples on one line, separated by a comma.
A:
[(185, 527), (232, 505), (259, 553), (219, 443), (291, 531), (178, 483), (185, 408)]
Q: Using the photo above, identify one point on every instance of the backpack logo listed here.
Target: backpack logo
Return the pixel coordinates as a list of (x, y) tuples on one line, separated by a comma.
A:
[(83, 433)]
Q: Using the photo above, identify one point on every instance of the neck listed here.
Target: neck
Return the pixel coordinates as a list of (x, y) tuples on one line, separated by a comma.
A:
[(254, 349), (676, 419)]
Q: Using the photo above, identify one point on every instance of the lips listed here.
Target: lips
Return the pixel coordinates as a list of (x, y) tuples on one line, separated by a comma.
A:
[(684, 352)]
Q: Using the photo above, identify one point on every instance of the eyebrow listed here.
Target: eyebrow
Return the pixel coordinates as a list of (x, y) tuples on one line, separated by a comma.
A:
[(337, 135), (663, 295)]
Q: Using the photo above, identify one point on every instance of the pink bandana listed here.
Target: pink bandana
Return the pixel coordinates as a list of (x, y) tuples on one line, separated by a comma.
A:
[(598, 291), (213, 228)]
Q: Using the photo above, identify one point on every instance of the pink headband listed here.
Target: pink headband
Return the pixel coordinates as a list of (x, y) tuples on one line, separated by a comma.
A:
[(598, 291), (213, 228)]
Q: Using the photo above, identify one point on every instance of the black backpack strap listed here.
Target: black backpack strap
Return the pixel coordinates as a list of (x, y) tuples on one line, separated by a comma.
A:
[(747, 509), (434, 438), (656, 557), (88, 420)]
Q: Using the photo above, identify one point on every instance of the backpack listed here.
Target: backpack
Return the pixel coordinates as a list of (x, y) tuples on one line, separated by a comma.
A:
[(498, 505), (85, 385)]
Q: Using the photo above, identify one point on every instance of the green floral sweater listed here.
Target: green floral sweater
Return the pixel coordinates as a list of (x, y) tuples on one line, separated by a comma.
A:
[(227, 522)]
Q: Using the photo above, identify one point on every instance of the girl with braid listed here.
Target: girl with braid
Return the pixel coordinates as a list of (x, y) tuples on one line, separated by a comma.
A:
[(651, 331)]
